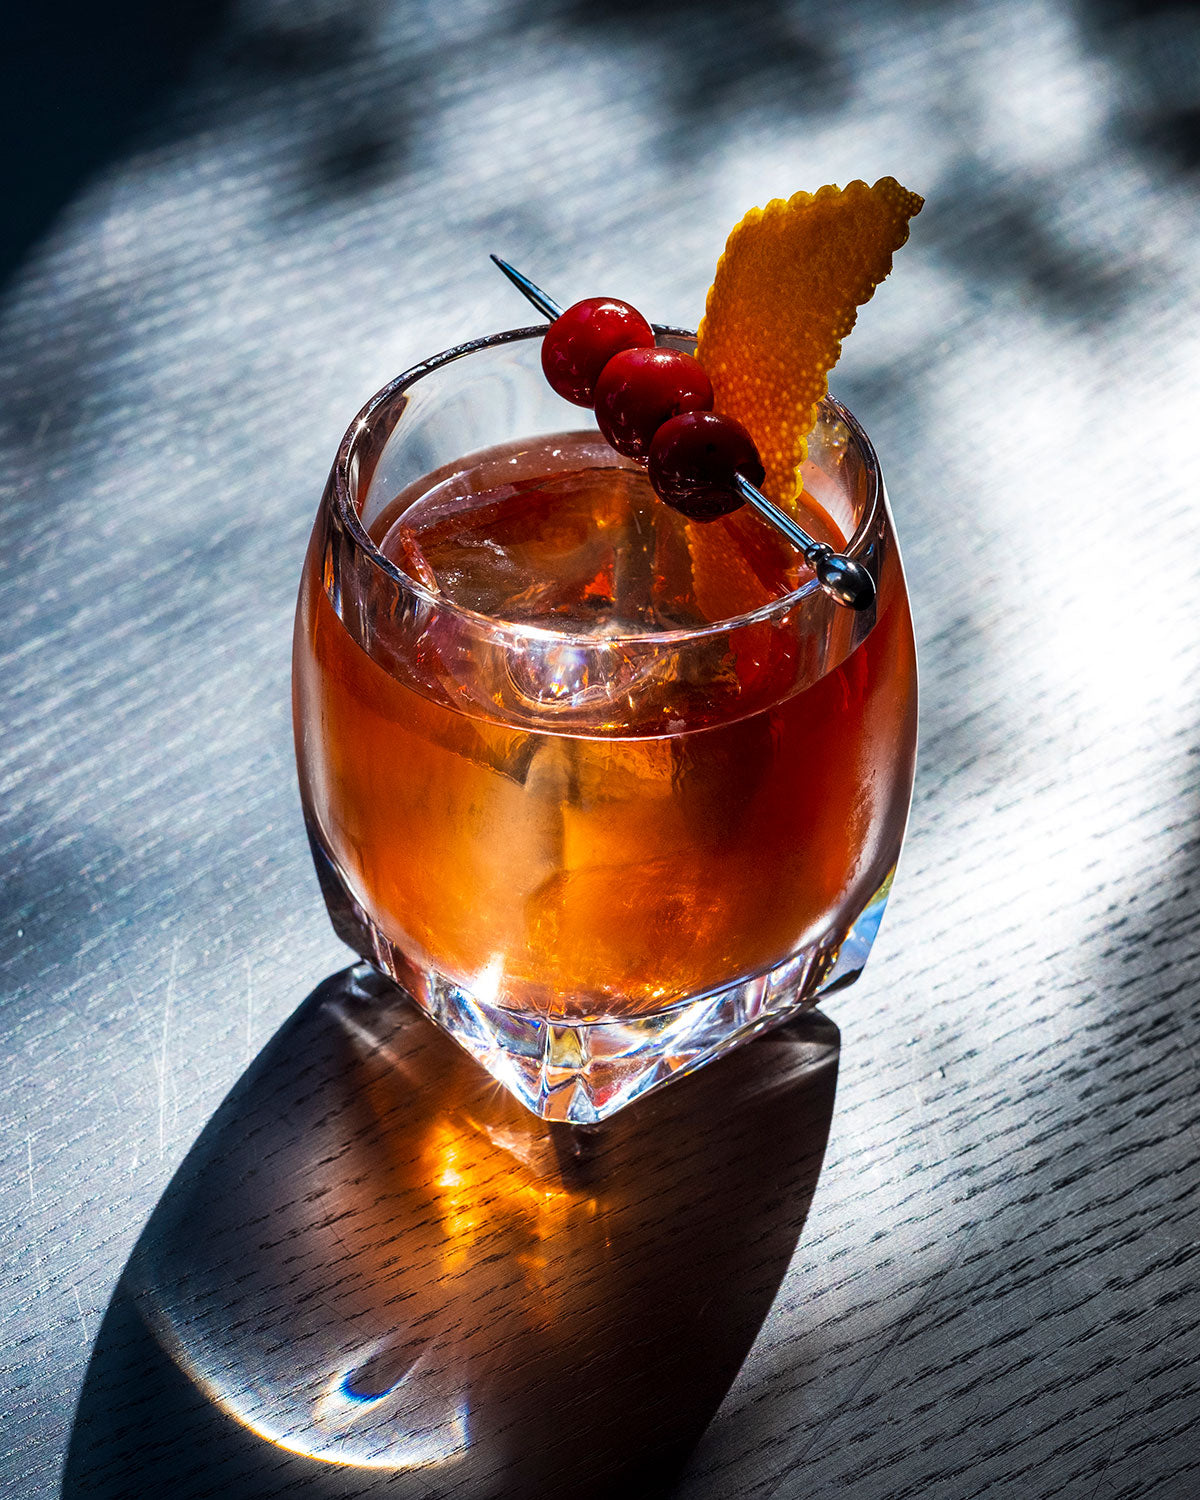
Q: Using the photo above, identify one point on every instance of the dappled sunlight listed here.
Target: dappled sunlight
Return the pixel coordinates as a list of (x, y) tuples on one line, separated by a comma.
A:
[(304, 206)]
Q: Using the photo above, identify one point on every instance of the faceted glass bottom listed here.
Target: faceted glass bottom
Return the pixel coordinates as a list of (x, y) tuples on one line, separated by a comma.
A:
[(582, 1072)]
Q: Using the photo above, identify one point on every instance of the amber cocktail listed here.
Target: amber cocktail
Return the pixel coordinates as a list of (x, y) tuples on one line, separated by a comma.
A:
[(606, 790)]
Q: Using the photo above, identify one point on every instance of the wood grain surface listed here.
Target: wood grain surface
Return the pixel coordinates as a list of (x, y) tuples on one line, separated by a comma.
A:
[(376, 1259), (994, 1289)]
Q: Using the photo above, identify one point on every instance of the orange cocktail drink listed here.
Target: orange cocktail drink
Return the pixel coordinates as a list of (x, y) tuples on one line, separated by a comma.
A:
[(606, 789)]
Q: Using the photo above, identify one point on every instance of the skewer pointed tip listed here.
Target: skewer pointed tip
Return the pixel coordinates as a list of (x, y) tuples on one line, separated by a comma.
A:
[(545, 305)]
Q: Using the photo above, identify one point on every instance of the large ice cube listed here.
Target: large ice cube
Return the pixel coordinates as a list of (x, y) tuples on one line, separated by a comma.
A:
[(590, 551)]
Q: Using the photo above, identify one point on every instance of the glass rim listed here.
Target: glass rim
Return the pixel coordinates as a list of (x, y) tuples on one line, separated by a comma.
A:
[(348, 515)]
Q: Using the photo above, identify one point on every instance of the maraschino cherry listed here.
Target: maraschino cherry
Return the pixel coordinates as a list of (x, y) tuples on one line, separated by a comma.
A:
[(640, 389), (695, 460), (582, 340)]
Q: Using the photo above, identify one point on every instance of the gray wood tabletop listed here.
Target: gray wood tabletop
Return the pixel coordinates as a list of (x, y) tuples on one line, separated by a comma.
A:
[(244, 1186)]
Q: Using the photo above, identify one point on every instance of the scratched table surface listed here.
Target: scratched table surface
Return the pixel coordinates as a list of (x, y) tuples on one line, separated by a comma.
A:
[(240, 1260)]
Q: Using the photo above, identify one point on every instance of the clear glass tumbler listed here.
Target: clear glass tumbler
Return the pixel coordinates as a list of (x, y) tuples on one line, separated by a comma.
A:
[(596, 858)]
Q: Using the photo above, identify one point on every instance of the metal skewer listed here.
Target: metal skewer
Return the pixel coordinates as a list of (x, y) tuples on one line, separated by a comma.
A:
[(848, 581), (545, 305), (840, 576)]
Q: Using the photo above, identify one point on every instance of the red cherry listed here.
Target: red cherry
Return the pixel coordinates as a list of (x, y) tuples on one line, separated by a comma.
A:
[(640, 389), (582, 340), (693, 461)]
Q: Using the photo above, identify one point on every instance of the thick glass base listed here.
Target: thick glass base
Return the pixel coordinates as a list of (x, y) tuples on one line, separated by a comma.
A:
[(582, 1072)]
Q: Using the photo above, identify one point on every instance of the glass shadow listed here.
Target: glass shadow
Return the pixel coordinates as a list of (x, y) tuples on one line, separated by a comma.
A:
[(375, 1271)]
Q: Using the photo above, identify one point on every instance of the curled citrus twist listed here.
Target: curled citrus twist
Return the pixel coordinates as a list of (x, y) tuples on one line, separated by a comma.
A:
[(786, 293)]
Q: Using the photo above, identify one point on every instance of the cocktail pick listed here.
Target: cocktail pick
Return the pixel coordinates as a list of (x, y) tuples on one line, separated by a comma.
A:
[(840, 576), (545, 305)]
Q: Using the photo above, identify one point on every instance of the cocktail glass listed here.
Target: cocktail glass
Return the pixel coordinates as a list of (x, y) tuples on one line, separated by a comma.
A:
[(600, 844)]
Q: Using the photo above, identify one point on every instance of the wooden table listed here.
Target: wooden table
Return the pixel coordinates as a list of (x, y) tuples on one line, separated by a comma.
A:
[(972, 1270)]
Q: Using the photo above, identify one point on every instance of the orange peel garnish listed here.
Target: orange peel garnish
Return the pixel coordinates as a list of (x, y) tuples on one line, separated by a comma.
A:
[(786, 293)]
